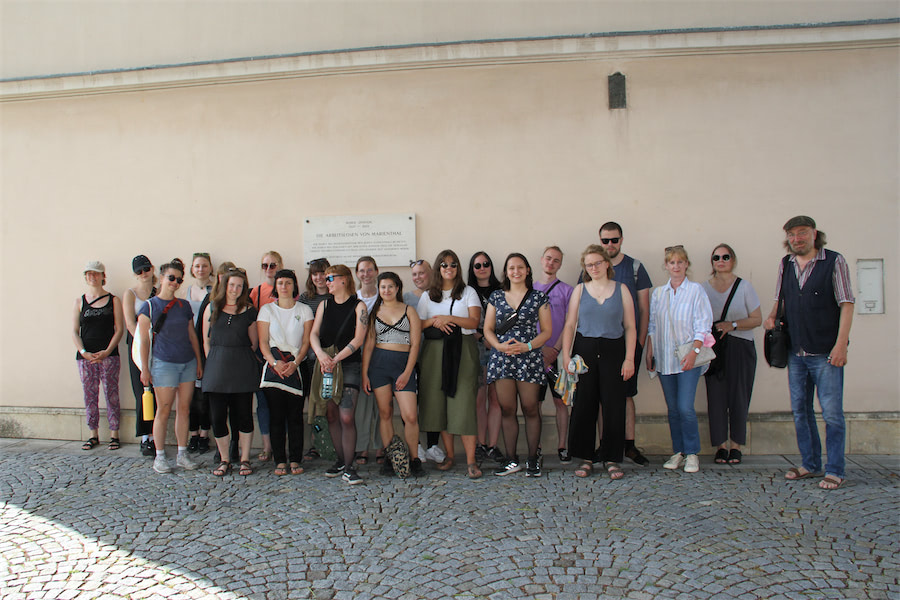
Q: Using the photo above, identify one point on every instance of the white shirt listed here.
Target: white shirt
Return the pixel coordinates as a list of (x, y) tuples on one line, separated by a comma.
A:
[(427, 309), (690, 315), (286, 325)]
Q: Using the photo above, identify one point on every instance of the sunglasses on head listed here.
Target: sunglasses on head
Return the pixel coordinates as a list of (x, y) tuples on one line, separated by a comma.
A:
[(318, 261), (413, 263), (237, 270), (725, 257), (171, 277), (142, 270), (267, 266), (482, 265), (201, 255), (614, 240), (451, 265), (678, 247)]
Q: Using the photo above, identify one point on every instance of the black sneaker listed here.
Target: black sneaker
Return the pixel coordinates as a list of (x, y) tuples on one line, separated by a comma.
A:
[(415, 468), (511, 466), (148, 448), (387, 469), (203, 445), (564, 456), (481, 453), (635, 455), (495, 455), (194, 444), (351, 477), (533, 467), (336, 470)]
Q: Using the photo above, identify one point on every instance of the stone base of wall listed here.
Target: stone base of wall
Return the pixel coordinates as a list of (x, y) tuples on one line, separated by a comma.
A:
[(768, 433)]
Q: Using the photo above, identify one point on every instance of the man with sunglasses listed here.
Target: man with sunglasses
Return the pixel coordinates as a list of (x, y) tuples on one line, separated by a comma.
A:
[(631, 273)]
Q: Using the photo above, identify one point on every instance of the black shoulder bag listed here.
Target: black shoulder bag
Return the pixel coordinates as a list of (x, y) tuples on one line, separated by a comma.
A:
[(717, 365), (777, 341)]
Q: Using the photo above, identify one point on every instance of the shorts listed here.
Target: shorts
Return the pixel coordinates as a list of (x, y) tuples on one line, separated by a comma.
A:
[(167, 374), (631, 384), (386, 366), (352, 373)]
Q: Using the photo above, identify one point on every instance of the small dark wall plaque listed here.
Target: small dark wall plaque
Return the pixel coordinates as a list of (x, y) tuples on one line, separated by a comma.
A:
[(616, 83)]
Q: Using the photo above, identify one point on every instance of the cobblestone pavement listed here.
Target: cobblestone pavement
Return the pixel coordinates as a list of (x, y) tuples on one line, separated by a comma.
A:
[(102, 524)]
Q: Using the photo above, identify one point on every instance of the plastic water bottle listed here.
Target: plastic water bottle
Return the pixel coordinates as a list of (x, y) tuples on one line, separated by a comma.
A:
[(147, 404), (327, 385)]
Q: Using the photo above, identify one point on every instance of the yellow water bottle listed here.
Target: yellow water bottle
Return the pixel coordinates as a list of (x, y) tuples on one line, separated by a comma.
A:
[(147, 403)]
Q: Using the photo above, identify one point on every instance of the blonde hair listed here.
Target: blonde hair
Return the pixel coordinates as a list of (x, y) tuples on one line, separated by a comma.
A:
[(597, 249)]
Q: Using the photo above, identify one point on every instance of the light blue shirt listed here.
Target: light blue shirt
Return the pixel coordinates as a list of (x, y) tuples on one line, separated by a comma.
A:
[(690, 315)]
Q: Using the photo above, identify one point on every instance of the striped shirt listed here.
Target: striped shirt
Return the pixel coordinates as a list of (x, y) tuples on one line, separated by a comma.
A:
[(840, 279), (690, 315)]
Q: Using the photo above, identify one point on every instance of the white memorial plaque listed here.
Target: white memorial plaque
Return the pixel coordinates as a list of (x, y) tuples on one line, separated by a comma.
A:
[(389, 239)]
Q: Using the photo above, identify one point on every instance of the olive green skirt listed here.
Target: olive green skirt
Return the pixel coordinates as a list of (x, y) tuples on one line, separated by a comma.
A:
[(437, 411)]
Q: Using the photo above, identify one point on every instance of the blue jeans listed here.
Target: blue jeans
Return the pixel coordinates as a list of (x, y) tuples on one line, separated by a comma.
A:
[(262, 412), (807, 374), (680, 390)]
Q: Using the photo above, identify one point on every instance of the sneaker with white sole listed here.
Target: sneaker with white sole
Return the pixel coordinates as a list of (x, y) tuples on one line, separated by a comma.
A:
[(351, 477), (185, 462), (161, 465), (435, 454), (673, 463), (691, 463), (335, 470), (533, 467), (511, 466)]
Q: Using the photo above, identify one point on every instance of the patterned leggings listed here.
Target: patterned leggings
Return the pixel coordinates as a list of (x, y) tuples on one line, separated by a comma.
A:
[(107, 371)]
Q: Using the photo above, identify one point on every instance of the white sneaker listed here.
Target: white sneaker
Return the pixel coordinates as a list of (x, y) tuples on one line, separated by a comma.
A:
[(435, 454), (673, 463), (185, 462), (161, 465), (421, 453), (691, 463)]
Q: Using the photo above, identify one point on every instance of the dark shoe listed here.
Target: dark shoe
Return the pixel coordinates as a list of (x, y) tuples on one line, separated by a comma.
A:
[(533, 467), (636, 457), (415, 468), (148, 448), (203, 445), (721, 456), (311, 454), (387, 469), (564, 456), (495, 455), (194, 444), (481, 453), (735, 457), (335, 470), (511, 466), (351, 477)]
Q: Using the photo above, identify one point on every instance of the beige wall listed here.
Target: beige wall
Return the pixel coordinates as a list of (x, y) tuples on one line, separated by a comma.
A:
[(51, 37), (507, 157)]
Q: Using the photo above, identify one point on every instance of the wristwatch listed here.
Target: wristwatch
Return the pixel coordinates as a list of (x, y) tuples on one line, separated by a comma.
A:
[(696, 350), (734, 324)]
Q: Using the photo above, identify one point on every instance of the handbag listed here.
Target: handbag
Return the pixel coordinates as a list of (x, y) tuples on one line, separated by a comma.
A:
[(718, 363), (511, 321), (270, 379), (777, 341), (705, 356)]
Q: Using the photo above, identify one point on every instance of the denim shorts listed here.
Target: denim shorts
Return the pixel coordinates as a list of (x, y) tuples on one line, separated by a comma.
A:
[(386, 366), (168, 374)]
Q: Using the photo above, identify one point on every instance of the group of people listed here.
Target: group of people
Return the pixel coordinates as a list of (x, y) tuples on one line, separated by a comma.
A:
[(462, 357)]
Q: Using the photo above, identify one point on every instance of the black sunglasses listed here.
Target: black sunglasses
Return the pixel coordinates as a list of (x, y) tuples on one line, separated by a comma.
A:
[(173, 278), (725, 257), (267, 266), (330, 278), (483, 265), (614, 240), (452, 265), (142, 270), (670, 248), (413, 263), (201, 255)]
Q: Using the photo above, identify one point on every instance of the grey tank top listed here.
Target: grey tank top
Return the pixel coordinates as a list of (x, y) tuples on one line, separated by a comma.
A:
[(601, 320), (398, 333)]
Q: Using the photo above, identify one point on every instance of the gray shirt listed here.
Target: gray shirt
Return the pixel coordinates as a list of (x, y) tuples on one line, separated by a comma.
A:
[(744, 302)]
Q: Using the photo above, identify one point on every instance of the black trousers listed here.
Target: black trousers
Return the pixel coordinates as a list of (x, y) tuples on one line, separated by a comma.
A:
[(142, 427), (602, 387), (286, 411), (199, 414), (239, 407), (728, 393)]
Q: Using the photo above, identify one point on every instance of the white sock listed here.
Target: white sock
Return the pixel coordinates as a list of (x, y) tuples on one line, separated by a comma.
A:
[(160, 452), (182, 450)]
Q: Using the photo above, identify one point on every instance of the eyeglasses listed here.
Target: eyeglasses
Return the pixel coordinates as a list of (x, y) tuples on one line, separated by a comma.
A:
[(173, 278), (614, 240), (670, 248), (725, 257), (330, 278), (201, 255), (452, 265), (594, 265), (413, 263), (142, 270), (267, 266), (482, 265)]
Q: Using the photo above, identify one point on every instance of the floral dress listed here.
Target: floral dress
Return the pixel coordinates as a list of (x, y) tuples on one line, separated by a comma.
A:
[(529, 366)]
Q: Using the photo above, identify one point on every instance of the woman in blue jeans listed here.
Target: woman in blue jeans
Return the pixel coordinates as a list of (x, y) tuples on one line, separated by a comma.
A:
[(679, 313)]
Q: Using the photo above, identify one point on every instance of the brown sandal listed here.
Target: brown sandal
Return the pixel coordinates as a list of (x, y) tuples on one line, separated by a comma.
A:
[(473, 472), (445, 465), (615, 472), (281, 469), (585, 470), (245, 469), (296, 469), (223, 469)]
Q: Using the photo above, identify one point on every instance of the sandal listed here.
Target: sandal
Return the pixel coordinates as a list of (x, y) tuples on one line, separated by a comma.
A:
[(114, 444), (830, 482), (90, 444), (473, 472), (445, 465), (585, 470), (360, 459), (246, 469), (735, 457), (311, 454), (614, 471), (379, 457), (281, 469), (223, 469), (264, 456), (794, 474), (296, 469), (721, 456)]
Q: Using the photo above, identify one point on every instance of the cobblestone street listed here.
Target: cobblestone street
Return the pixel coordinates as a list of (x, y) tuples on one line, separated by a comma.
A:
[(102, 524)]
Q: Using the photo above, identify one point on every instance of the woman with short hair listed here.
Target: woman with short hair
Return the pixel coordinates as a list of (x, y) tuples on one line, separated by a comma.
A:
[(133, 300), (197, 292)]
